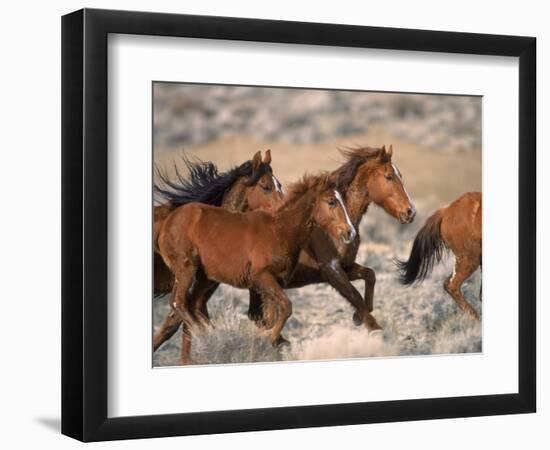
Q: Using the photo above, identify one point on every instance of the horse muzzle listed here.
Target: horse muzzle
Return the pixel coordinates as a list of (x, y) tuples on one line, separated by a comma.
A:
[(408, 216), (348, 236)]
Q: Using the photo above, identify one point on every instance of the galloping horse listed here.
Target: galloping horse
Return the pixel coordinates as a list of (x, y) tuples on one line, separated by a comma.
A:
[(367, 176), (205, 245), (247, 187), (458, 228)]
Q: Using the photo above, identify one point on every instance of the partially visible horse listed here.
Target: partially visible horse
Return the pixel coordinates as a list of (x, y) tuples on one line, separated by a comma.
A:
[(456, 227), (205, 245), (247, 187), (368, 176)]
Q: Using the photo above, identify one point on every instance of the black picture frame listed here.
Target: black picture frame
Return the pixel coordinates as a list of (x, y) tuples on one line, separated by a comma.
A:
[(84, 224)]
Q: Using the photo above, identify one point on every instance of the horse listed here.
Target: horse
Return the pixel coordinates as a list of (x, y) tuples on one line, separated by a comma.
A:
[(247, 187), (205, 245), (368, 176), (456, 227)]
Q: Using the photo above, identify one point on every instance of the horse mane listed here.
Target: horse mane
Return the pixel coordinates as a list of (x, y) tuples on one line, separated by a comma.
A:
[(205, 184), (355, 157), (308, 183)]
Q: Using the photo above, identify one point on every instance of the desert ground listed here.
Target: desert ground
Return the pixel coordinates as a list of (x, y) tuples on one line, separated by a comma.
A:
[(437, 147)]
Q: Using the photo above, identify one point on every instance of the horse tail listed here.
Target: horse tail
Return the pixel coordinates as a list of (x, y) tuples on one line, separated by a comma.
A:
[(427, 250)]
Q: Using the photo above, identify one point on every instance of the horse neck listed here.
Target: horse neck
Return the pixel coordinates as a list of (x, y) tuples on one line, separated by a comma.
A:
[(296, 220), (234, 199), (357, 201)]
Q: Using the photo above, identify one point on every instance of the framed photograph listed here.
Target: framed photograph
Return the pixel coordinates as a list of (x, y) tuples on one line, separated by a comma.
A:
[(273, 224)]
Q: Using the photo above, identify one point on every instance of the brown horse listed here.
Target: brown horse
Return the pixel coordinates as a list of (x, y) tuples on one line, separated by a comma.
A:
[(368, 176), (247, 187), (204, 246), (456, 227)]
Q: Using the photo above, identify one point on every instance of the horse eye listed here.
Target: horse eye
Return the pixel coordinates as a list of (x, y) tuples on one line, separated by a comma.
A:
[(266, 188), (389, 177), (332, 202)]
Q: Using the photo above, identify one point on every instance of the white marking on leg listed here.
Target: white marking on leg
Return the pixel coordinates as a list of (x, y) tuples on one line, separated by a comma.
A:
[(453, 274), (348, 220)]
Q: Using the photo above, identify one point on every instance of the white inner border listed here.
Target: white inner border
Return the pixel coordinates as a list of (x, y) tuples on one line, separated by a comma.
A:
[(135, 388)]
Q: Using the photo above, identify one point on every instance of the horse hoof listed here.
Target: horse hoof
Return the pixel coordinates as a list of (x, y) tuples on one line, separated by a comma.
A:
[(281, 342), (356, 320)]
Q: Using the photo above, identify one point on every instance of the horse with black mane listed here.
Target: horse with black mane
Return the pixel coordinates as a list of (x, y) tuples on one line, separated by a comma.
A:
[(249, 186), (205, 245)]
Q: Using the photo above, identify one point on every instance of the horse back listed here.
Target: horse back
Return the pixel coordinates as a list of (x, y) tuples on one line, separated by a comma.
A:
[(461, 226), (230, 245)]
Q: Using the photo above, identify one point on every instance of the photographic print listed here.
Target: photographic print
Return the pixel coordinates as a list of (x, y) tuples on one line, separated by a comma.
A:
[(296, 224)]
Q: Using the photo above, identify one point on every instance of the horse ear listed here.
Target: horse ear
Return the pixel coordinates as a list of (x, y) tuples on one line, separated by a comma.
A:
[(382, 156), (267, 157), (256, 161), (389, 152)]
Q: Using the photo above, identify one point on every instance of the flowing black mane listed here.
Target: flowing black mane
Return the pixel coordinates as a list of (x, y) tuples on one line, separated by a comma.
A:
[(205, 184)]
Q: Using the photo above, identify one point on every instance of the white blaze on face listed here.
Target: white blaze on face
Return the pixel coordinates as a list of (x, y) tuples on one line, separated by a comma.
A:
[(398, 175), (348, 220), (278, 185)]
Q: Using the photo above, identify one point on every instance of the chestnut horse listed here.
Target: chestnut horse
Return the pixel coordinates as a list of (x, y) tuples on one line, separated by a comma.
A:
[(205, 245), (456, 227), (368, 176), (247, 187)]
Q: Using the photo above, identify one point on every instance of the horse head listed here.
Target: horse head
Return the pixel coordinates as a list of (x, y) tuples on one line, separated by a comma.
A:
[(262, 189), (382, 182), (330, 212)]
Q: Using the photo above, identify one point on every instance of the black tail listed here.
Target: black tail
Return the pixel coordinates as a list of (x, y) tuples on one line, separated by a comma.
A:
[(427, 250)]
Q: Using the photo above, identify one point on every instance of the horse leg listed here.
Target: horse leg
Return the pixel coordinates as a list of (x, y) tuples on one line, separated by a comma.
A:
[(464, 267), (359, 272), (256, 314), (201, 295), (169, 327), (181, 304), (201, 292), (338, 279), (277, 307), (255, 307)]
